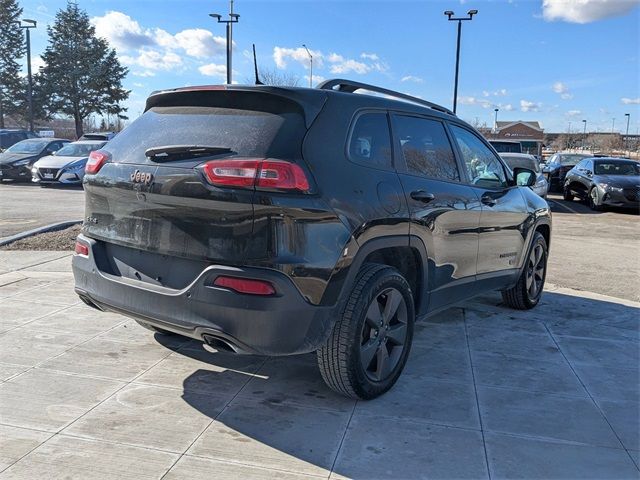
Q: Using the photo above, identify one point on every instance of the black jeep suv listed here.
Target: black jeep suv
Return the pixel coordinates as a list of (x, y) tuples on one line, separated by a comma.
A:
[(279, 221)]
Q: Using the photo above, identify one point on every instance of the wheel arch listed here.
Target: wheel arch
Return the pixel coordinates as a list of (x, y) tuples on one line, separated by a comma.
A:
[(405, 253)]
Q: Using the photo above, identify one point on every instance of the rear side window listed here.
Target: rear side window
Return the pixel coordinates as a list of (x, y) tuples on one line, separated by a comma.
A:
[(248, 124), (426, 148), (370, 142)]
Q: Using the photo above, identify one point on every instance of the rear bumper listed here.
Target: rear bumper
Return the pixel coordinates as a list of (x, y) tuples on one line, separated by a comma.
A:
[(282, 324)]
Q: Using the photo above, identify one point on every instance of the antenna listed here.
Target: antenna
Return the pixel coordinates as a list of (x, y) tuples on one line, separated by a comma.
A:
[(255, 66)]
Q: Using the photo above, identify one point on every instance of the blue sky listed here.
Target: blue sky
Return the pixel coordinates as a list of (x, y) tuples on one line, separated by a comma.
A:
[(556, 61)]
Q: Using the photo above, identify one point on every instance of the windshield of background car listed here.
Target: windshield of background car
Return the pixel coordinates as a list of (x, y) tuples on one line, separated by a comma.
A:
[(521, 162), (616, 168), (569, 159), (250, 131), (28, 146), (78, 149)]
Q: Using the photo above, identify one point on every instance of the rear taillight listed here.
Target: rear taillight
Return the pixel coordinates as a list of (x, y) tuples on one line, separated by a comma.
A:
[(245, 285), (258, 173), (96, 160), (82, 249)]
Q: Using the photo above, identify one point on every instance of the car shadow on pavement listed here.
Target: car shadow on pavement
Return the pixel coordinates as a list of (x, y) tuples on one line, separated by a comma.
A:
[(281, 415)]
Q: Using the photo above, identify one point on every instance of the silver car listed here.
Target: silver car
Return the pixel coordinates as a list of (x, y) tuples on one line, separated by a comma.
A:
[(525, 160), (66, 165)]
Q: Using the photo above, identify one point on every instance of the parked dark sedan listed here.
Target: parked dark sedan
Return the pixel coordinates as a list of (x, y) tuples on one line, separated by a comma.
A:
[(17, 160), (604, 181), (557, 167)]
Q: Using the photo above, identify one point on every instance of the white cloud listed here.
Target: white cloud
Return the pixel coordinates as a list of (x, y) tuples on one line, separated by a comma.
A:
[(143, 73), (200, 43), (630, 101), (369, 56), (574, 113), (475, 101), (122, 32), (528, 106), (153, 60), (213, 70), (507, 107), (339, 64), (412, 78), (585, 11), (502, 92), (559, 87), (138, 85), (282, 55), (349, 65)]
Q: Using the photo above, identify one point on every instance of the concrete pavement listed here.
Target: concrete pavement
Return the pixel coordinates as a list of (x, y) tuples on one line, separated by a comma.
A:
[(487, 392)]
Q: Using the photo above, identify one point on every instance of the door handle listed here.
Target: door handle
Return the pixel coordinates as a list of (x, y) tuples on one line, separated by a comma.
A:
[(422, 196), (488, 200)]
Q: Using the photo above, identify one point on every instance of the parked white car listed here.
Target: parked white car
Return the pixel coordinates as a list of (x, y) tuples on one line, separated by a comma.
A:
[(66, 166), (525, 160)]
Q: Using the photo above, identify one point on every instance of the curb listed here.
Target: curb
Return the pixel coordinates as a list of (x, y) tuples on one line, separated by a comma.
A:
[(47, 228)]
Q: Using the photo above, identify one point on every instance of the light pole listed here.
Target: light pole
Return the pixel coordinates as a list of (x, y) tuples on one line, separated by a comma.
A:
[(310, 66), (584, 133), (626, 135), (613, 125), (451, 17), (30, 24), (233, 18), (495, 120)]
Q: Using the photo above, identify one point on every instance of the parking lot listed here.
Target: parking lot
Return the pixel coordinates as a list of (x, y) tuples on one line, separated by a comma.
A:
[(26, 206), (487, 392)]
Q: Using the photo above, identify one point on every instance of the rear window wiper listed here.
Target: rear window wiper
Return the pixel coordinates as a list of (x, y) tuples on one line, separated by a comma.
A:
[(165, 152)]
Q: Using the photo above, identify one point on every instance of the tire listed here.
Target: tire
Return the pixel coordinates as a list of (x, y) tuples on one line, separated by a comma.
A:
[(527, 292), (154, 329), (364, 331), (593, 200), (567, 195)]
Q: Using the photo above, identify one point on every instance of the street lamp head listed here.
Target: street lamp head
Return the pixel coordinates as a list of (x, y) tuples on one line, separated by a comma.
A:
[(234, 16), (627, 114), (28, 20), (471, 13), (496, 109), (449, 13), (216, 16)]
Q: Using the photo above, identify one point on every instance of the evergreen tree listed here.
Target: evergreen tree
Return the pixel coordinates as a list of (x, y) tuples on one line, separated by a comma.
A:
[(82, 75), (12, 48)]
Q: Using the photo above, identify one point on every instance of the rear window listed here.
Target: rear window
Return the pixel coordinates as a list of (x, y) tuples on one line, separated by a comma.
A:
[(248, 132), (521, 162), (507, 147)]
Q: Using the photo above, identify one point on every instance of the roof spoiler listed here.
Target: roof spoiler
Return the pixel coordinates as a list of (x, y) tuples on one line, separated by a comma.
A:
[(309, 105)]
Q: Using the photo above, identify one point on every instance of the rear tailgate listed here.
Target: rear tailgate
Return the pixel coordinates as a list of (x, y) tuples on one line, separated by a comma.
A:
[(166, 206)]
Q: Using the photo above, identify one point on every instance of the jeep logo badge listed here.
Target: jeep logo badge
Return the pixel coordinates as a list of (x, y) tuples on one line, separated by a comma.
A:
[(141, 177)]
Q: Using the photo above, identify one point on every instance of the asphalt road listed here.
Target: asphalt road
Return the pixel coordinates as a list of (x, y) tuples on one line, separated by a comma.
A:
[(595, 251), (27, 206), (592, 251)]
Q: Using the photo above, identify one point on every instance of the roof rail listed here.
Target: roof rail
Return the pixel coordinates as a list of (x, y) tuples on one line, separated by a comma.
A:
[(351, 86)]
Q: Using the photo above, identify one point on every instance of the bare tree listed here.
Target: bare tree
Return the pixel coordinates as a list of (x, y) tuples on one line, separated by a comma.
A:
[(276, 77)]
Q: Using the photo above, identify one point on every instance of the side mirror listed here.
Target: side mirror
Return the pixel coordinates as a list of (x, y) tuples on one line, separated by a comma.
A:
[(524, 177), (589, 173)]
